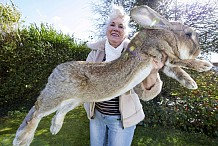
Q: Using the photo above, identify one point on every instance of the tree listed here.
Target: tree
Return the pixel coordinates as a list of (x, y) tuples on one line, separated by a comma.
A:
[(9, 20), (9, 23), (201, 16)]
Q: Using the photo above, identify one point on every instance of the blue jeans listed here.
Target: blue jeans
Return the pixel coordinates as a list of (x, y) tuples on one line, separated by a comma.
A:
[(107, 130)]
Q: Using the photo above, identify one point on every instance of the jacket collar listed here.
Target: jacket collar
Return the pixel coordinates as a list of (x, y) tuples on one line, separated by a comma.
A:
[(99, 45)]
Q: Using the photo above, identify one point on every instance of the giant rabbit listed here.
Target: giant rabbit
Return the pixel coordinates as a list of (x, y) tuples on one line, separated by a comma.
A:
[(75, 82)]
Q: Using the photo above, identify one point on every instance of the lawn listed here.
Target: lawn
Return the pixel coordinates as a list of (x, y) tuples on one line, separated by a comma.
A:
[(75, 132)]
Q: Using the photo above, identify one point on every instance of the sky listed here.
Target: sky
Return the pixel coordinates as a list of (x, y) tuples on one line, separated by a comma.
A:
[(73, 17), (70, 16)]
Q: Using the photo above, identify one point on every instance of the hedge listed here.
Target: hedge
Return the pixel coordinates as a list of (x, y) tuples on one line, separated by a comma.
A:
[(26, 63), (189, 110)]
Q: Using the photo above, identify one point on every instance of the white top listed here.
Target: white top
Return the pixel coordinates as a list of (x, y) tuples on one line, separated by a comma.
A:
[(111, 52)]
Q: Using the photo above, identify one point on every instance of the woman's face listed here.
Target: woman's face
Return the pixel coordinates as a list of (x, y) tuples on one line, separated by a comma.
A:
[(116, 32)]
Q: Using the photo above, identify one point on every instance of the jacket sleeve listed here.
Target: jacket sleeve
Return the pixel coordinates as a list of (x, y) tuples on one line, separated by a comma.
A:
[(88, 105), (90, 57), (147, 95)]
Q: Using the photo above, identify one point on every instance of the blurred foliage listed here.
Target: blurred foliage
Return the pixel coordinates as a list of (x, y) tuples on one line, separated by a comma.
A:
[(26, 64), (190, 110), (9, 21)]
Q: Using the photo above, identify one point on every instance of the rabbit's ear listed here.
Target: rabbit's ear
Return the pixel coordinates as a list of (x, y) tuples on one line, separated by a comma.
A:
[(147, 17)]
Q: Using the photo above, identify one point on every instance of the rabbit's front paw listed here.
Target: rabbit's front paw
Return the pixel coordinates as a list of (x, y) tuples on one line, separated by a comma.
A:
[(203, 65), (56, 123), (190, 84)]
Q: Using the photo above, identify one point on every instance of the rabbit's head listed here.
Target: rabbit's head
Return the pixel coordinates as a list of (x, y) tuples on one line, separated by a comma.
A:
[(178, 41), (187, 43), (187, 39)]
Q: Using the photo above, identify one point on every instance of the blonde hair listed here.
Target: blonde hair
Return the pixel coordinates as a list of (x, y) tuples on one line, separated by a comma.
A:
[(118, 11)]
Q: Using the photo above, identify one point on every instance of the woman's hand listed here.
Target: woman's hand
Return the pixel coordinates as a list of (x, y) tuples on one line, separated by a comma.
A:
[(157, 64), (151, 79)]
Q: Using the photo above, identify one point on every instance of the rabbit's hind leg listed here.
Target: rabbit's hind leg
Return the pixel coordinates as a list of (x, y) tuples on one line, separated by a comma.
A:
[(58, 119), (25, 132)]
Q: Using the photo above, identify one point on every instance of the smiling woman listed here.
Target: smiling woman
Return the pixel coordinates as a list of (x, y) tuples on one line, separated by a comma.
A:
[(116, 32)]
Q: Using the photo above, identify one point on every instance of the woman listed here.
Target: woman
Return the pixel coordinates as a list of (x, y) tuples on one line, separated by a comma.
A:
[(113, 122)]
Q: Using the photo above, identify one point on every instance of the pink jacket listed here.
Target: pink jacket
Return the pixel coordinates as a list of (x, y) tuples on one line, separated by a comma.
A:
[(129, 103)]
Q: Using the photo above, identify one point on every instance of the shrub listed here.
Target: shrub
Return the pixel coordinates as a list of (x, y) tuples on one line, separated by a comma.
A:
[(26, 64), (190, 110)]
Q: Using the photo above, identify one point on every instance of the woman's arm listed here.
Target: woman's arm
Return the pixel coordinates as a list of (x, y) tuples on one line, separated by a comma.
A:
[(150, 81), (152, 78), (152, 85)]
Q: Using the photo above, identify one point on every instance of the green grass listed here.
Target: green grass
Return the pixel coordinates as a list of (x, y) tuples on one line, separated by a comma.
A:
[(75, 132)]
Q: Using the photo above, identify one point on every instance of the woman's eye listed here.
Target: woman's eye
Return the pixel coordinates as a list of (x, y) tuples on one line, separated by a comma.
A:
[(112, 24), (121, 26)]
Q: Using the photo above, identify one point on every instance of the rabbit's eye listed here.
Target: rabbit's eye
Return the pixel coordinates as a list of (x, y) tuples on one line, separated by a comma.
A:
[(188, 34)]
